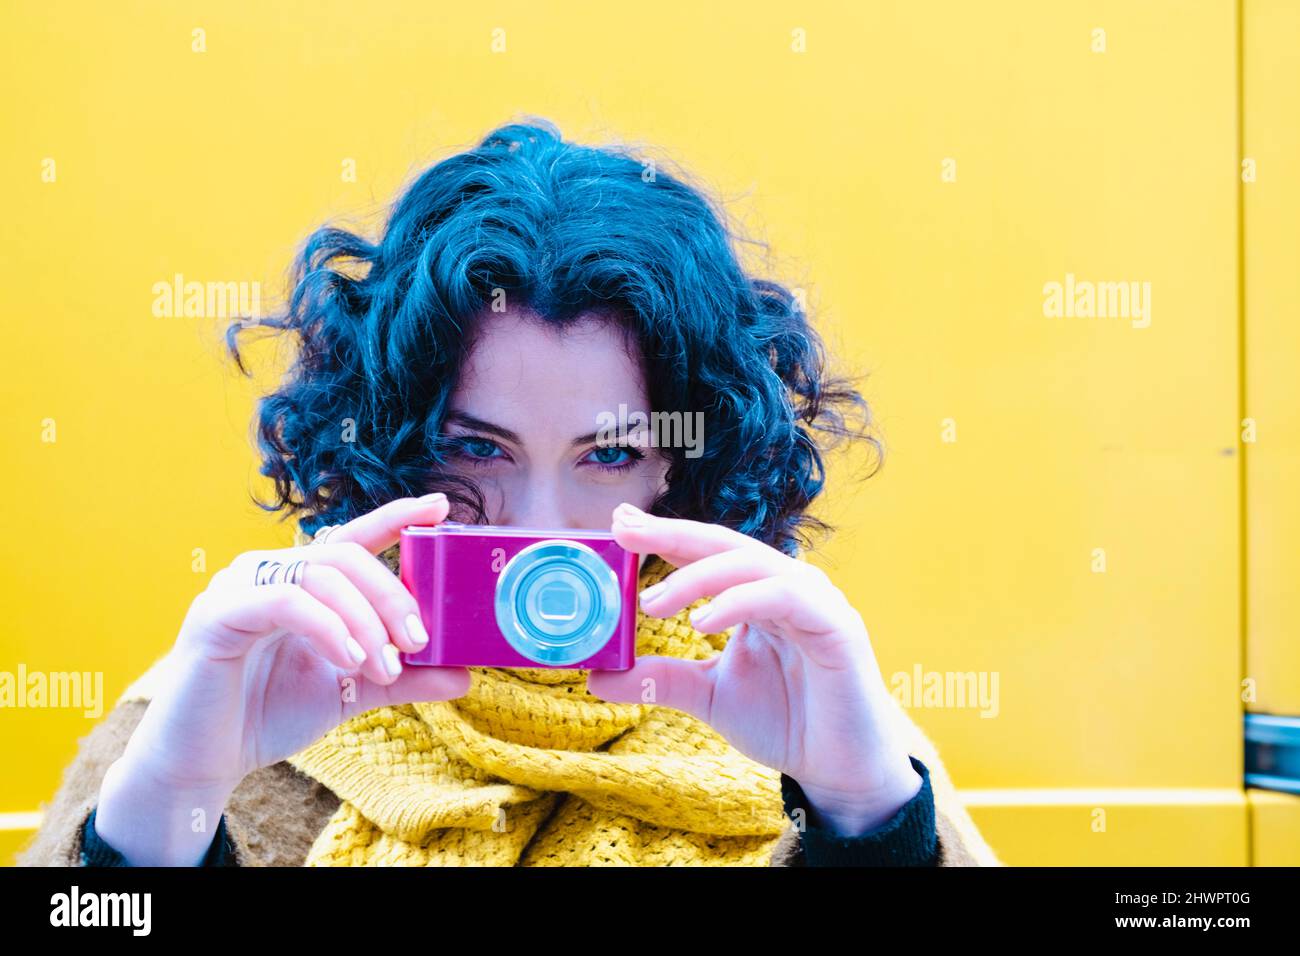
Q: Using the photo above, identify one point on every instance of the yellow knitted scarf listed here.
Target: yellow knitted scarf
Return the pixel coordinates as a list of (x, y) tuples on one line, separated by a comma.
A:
[(530, 769)]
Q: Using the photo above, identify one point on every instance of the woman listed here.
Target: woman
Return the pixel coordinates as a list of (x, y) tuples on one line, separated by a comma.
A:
[(521, 293)]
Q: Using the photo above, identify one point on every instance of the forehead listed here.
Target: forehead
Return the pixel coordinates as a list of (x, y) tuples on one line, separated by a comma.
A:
[(526, 374)]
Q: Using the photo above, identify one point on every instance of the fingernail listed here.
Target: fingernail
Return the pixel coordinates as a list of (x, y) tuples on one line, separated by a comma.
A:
[(391, 663), (652, 592), (431, 498), (356, 651), (700, 614), (631, 516), (415, 631)]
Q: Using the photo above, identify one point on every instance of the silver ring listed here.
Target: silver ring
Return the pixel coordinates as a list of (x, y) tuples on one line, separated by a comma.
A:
[(276, 572)]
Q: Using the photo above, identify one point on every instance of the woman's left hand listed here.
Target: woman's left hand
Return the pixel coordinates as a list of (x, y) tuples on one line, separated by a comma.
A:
[(797, 687)]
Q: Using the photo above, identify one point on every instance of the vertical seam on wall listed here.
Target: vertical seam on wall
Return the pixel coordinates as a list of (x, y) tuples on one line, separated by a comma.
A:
[(1243, 564)]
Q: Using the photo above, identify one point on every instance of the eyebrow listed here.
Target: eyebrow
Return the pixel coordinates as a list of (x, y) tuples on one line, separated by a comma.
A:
[(500, 431), (479, 425)]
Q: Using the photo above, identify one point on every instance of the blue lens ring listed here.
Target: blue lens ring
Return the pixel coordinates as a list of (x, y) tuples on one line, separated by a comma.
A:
[(535, 581)]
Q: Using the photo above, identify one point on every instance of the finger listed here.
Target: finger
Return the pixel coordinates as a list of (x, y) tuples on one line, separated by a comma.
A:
[(379, 529), (784, 599), (666, 681), (679, 541), (415, 685), (258, 611), (382, 589), (713, 575), (331, 587)]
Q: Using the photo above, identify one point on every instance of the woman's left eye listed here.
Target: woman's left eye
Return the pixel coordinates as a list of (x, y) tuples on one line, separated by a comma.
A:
[(614, 457)]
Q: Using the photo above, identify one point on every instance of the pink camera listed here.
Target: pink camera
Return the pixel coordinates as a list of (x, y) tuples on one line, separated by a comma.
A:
[(521, 597)]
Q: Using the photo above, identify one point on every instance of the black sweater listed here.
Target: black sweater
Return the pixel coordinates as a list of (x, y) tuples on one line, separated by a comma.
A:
[(907, 839)]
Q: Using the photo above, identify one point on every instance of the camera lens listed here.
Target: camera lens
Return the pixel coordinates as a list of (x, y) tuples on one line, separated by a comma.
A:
[(557, 602)]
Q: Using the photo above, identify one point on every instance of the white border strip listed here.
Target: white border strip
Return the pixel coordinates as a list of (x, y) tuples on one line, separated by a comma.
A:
[(1103, 796), (21, 821)]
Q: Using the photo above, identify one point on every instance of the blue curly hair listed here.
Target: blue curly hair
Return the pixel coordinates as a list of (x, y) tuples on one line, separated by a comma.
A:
[(381, 330)]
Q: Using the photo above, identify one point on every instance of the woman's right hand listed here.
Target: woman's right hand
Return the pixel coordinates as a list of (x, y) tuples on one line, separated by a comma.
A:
[(258, 672)]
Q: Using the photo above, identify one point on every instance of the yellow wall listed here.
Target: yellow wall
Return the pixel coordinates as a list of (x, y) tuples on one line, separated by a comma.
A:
[(1272, 290), (1118, 689), (1271, 286)]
